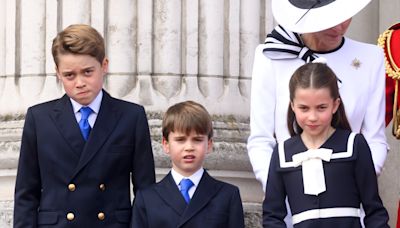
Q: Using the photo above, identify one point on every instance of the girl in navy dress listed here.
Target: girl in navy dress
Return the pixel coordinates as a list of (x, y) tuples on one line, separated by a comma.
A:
[(324, 170)]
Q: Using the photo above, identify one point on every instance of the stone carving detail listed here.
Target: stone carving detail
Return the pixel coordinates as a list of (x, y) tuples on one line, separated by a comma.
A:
[(160, 52)]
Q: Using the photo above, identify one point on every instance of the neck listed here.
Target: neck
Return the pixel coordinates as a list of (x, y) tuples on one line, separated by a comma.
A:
[(319, 45), (316, 141)]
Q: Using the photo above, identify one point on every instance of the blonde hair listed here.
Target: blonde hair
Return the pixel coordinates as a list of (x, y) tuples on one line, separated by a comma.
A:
[(185, 117), (79, 39)]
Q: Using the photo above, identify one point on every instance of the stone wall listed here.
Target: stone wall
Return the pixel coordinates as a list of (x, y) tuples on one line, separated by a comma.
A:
[(161, 52)]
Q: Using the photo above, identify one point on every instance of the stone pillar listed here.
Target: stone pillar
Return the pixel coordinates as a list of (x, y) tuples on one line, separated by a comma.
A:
[(161, 52)]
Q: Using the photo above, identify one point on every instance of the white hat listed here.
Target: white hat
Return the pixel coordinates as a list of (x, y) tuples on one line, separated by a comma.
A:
[(305, 16)]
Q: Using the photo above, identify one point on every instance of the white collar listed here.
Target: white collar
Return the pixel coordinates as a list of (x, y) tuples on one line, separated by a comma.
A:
[(195, 177), (95, 105)]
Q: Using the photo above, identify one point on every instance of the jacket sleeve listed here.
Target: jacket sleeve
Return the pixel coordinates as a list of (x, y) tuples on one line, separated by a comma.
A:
[(139, 213), (28, 182), (236, 217), (261, 141), (373, 126), (375, 214), (143, 173), (274, 205)]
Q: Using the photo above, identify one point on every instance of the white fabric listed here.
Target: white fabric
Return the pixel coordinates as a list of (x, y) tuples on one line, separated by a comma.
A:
[(313, 169), (195, 178), (317, 19), (325, 213), (95, 106), (363, 88)]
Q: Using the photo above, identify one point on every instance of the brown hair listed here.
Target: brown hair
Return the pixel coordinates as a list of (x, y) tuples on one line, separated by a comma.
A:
[(79, 39), (316, 76), (185, 117)]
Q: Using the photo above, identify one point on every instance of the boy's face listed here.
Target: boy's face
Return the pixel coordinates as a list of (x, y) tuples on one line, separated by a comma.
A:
[(82, 76), (187, 152)]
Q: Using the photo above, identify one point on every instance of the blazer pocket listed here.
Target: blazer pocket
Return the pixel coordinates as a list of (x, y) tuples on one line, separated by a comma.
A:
[(123, 216), (47, 218), (121, 149)]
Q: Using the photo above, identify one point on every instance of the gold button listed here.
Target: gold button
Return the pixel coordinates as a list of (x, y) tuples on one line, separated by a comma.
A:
[(71, 187), (101, 216), (102, 187), (70, 216)]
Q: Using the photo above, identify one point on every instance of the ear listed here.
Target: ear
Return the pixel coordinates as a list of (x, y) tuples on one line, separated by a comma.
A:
[(336, 104), (209, 146), (292, 106), (104, 65), (165, 145)]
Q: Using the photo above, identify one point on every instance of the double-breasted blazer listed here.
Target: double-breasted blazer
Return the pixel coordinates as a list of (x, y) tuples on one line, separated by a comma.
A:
[(63, 181), (215, 204)]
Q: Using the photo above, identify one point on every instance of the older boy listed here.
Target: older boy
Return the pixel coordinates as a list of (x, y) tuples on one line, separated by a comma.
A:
[(78, 152), (204, 202)]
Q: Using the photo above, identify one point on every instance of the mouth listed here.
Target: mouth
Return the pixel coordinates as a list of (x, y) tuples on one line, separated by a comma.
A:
[(189, 158)]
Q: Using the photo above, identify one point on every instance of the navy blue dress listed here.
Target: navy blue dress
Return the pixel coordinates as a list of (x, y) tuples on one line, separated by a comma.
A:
[(350, 180)]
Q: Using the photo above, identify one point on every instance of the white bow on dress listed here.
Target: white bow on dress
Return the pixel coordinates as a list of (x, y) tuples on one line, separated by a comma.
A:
[(312, 169)]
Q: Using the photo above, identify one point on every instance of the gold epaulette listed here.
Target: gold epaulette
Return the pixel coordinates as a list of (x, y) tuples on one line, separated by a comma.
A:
[(392, 71), (384, 40)]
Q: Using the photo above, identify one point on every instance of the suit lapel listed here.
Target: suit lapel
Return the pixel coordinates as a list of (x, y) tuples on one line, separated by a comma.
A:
[(63, 116), (204, 193), (105, 123), (169, 192)]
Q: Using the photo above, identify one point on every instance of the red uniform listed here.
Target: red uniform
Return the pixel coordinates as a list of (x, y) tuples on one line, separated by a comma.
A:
[(390, 42)]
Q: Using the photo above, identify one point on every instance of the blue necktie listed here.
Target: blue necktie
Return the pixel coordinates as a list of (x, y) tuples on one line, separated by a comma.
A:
[(84, 123), (186, 184)]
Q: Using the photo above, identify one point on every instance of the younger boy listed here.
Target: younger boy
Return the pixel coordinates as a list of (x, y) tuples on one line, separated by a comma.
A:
[(187, 139)]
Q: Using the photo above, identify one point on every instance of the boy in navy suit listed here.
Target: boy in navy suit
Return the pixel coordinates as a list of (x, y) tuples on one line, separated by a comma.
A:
[(78, 153), (187, 138)]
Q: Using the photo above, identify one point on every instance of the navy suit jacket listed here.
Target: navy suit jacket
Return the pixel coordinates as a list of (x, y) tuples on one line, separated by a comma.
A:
[(59, 173), (215, 204)]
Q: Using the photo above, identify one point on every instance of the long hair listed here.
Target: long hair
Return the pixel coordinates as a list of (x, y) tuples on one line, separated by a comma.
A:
[(316, 76)]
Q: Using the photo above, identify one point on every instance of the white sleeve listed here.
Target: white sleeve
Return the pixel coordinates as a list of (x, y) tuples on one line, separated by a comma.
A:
[(261, 141), (373, 126)]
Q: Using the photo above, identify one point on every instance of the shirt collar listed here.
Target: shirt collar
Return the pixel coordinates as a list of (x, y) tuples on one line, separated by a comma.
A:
[(95, 105), (195, 177)]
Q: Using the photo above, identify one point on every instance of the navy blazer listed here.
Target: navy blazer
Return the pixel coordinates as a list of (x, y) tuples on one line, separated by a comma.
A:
[(215, 204), (63, 181)]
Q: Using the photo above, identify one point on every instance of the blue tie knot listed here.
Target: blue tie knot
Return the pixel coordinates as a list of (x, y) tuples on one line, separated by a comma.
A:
[(84, 123), (186, 184)]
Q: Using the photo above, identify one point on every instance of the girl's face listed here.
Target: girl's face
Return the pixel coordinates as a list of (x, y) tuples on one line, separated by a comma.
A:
[(314, 109)]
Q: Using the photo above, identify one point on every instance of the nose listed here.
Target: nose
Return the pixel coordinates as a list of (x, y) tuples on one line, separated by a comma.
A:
[(313, 116), (80, 81), (189, 146)]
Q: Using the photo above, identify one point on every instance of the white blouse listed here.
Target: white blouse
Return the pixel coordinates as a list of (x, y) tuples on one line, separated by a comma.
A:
[(358, 65)]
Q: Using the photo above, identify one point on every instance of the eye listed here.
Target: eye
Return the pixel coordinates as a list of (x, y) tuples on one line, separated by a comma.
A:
[(303, 108), (88, 72), (68, 75)]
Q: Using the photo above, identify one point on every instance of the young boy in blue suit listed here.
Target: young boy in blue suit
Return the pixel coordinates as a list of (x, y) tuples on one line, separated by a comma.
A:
[(79, 153), (187, 138)]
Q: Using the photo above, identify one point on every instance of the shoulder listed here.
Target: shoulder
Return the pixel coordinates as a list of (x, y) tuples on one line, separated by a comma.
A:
[(362, 47), (123, 106), (224, 186), (47, 106)]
